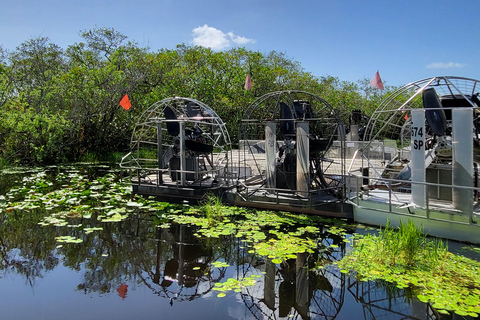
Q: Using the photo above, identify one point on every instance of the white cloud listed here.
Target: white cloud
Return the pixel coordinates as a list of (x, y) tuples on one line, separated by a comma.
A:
[(239, 39), (445, 65), (215, 39)]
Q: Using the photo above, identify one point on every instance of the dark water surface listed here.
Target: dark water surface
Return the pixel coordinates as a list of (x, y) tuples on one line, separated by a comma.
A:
[(135, 269)]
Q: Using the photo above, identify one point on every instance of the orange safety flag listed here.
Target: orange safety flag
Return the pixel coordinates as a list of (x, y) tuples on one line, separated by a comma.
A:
[(377, 81), (125, 102), (248, 83), (122, 290)]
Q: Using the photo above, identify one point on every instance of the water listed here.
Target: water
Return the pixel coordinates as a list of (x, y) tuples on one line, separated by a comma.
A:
[(130, 270), (135, 269)]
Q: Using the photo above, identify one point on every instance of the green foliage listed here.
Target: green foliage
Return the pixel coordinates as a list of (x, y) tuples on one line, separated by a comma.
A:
[(73, 94), (29, 137), (3, 163), (409, 259)]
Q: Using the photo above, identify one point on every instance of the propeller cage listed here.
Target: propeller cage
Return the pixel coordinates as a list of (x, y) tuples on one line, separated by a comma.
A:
[(180, 142), (292, 141)]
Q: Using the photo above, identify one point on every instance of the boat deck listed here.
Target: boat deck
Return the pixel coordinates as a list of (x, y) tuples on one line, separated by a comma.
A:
[(364, 197), (438, 217)]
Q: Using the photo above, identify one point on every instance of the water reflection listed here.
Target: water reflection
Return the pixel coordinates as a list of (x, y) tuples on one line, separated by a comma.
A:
[(181, 270), (177, 266), (136, 269), (293, 291)]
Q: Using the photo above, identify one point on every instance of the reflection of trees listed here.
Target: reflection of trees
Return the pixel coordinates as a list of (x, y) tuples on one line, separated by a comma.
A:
[(20, 249), (110, 256), (130, 250), (176, 265), (172, 262)]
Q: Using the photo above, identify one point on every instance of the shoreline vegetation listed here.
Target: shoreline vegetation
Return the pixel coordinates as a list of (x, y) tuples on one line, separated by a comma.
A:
[(422, 265), (61, 104)]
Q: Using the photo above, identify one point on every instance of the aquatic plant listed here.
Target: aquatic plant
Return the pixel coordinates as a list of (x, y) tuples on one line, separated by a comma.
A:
[(409, 258), (220, 264), (276, 235), (234, 284), (213, 208), (58, 196), (68, 239), (284, 246)]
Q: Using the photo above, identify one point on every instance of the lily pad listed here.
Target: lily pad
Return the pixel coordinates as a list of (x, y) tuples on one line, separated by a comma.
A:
[(90, 230), (68, 239), (134, 204)]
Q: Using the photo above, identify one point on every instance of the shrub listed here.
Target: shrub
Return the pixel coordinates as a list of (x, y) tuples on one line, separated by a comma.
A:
[(28, 137)]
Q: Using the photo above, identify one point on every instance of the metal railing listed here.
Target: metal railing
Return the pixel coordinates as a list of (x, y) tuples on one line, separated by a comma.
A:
[(397, 194)]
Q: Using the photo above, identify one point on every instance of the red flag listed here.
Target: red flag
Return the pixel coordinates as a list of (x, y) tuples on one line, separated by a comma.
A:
[(125, 102), (122, 290), (248, 83), (377, 81)]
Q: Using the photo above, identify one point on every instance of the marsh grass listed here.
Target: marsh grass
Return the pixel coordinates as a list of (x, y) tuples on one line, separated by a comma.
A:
[(407, 245), (213, 209), (408, 258)]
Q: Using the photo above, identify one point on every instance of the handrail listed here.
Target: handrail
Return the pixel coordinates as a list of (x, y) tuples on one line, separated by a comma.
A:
[(431, 204)]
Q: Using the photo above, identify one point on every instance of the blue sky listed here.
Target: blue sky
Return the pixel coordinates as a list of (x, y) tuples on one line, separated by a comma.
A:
[(406, 40)]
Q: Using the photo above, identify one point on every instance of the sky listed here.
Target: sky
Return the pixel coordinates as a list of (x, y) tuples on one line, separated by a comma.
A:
[(405, 40)]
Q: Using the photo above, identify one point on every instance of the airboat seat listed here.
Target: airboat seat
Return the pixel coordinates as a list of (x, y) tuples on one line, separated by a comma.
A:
[(435, 115), (457, 101), (287, 124), (303, 109), (193, 110), (173, 127), (475, 99)]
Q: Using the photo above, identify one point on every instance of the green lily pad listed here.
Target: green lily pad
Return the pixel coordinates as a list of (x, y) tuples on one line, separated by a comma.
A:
[(134, 204), (90, 230), (68, 239)]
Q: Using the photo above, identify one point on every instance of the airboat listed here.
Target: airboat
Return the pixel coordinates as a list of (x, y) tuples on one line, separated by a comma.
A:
[(179, 151), (415, 159), (289, 157), (419, 160)]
